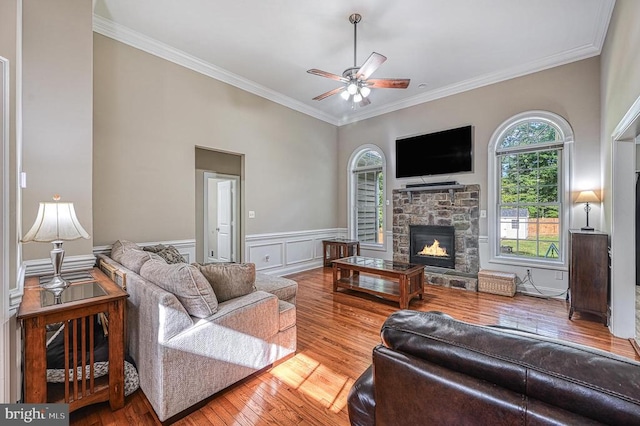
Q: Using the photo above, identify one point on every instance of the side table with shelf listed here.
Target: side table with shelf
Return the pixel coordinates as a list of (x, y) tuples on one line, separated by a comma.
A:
[(90, 294), (338, 248)]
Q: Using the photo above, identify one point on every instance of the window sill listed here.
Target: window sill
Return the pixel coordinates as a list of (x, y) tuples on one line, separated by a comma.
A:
[(530, 263)]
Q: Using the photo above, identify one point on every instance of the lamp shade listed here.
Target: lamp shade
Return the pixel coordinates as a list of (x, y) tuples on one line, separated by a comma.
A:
[(587, 197), (55, 222)]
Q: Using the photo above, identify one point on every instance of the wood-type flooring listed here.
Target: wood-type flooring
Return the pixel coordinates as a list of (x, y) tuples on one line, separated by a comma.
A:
[(336, 333)]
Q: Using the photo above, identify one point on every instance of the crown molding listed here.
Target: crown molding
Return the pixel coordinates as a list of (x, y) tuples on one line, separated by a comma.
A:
[(553, 61), (147, 44)]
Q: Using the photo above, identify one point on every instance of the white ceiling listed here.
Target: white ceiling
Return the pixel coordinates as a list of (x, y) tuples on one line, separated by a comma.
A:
[(450, 46)]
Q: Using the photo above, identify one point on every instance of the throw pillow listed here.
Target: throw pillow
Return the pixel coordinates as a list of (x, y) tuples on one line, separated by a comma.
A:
[(186, 283), (118, 248), (130, 255), (229, 280), (168, 253)]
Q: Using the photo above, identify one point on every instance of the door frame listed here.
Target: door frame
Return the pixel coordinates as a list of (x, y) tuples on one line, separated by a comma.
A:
[(235, 206), (623, 263)]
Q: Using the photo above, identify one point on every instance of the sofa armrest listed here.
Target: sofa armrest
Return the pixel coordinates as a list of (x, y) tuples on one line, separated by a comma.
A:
[(361, 402)]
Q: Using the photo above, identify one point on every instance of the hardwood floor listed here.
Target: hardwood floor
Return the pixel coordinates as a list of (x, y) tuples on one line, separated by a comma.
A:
[(336, 333)]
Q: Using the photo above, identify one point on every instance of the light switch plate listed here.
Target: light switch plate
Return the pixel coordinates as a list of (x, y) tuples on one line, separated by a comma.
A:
[(252, 214), (483, 213)]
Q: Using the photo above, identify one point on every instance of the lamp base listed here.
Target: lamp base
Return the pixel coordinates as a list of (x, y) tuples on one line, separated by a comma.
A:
[(586, 228), (57, 282)]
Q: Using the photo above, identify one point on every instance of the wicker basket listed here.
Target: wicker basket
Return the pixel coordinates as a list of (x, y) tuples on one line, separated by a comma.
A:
[(496, 282)]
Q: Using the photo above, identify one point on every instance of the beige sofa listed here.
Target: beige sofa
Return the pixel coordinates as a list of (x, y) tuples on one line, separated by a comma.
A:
[(188, 346)]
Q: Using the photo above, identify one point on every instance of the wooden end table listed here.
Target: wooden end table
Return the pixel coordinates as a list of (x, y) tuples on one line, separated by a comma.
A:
[(396, 281), (91, 293), (338, 248)]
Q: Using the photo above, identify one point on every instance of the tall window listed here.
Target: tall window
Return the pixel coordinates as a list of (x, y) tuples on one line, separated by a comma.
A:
[(367, 196), (530, 187)]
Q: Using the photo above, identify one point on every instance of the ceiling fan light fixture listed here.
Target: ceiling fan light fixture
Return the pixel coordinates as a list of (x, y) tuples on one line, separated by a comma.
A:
[(357, 97), (345, 95), (352, 88), (365, 91)]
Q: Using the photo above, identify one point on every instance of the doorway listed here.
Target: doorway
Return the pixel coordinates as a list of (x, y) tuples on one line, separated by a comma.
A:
[(221, 217)]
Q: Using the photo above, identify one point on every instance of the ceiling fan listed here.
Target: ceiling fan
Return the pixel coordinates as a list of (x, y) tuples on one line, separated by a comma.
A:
[(357, 84)]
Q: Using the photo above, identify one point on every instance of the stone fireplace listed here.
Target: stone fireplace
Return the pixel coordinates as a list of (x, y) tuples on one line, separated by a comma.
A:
[(450, 213)]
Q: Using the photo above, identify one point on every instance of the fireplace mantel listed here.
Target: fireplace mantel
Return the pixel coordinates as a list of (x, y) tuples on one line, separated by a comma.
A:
[(433, 188)]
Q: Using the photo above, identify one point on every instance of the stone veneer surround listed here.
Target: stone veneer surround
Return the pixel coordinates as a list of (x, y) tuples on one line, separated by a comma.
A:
[(457, 206)]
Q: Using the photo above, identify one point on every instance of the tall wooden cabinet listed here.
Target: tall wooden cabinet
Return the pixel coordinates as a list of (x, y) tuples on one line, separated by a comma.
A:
[(589, 273)]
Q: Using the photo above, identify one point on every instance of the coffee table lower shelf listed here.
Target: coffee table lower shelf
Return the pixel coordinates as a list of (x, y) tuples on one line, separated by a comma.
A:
[(380, 287)]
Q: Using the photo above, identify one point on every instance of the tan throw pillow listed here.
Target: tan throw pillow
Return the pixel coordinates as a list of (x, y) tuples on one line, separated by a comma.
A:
[(186, 283), (118, 248), (229, 280), (130, 255)]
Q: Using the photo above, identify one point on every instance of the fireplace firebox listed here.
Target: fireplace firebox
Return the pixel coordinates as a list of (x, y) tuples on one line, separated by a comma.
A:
[(432, 245)]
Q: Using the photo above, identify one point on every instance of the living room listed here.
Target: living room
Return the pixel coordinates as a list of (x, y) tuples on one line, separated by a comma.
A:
[(116, 130)]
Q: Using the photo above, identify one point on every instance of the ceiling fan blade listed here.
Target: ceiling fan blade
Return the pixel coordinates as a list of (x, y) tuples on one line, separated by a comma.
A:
[(388, 83), (329, 93), (370, 65), (328, 75)]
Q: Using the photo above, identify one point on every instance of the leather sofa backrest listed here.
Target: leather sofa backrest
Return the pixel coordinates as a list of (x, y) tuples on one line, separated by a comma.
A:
[(593, 384)]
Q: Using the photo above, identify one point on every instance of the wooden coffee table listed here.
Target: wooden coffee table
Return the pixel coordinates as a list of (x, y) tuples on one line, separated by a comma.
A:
[(396, 281)]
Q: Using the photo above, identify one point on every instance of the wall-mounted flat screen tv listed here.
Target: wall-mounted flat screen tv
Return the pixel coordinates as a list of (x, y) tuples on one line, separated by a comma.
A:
[(439, 153)]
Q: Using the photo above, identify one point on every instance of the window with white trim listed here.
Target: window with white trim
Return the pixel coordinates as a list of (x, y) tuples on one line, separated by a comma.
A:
[(530, 187), (367, 196)]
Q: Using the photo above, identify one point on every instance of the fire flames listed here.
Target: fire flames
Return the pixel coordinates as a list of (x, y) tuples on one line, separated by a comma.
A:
[(434, 250)]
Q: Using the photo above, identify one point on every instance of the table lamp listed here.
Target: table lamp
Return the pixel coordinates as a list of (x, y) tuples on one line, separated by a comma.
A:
[(56, 222), (587, 197)]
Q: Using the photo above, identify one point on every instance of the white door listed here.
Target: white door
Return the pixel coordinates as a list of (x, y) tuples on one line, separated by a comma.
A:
[(224, 222)]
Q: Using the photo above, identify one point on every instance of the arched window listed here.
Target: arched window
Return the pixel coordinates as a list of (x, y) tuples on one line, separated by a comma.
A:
[(366, 194), (529, 160)]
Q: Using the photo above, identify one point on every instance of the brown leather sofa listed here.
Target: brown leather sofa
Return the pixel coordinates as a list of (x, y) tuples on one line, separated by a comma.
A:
[(434, 370)]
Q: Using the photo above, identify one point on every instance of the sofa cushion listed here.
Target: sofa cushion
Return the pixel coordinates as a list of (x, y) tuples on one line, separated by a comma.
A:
[(186, 282), (287, 313), (284, 288), (229, 280), (130, 255), (169, 253)]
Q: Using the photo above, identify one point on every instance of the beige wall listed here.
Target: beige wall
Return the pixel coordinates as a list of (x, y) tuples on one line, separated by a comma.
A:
[(57, 113), (150, 114), (620, 84), (570, 91)]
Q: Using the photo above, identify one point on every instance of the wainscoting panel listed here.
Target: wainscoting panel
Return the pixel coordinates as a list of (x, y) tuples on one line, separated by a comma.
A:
[(298, 251), (266, 256)]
